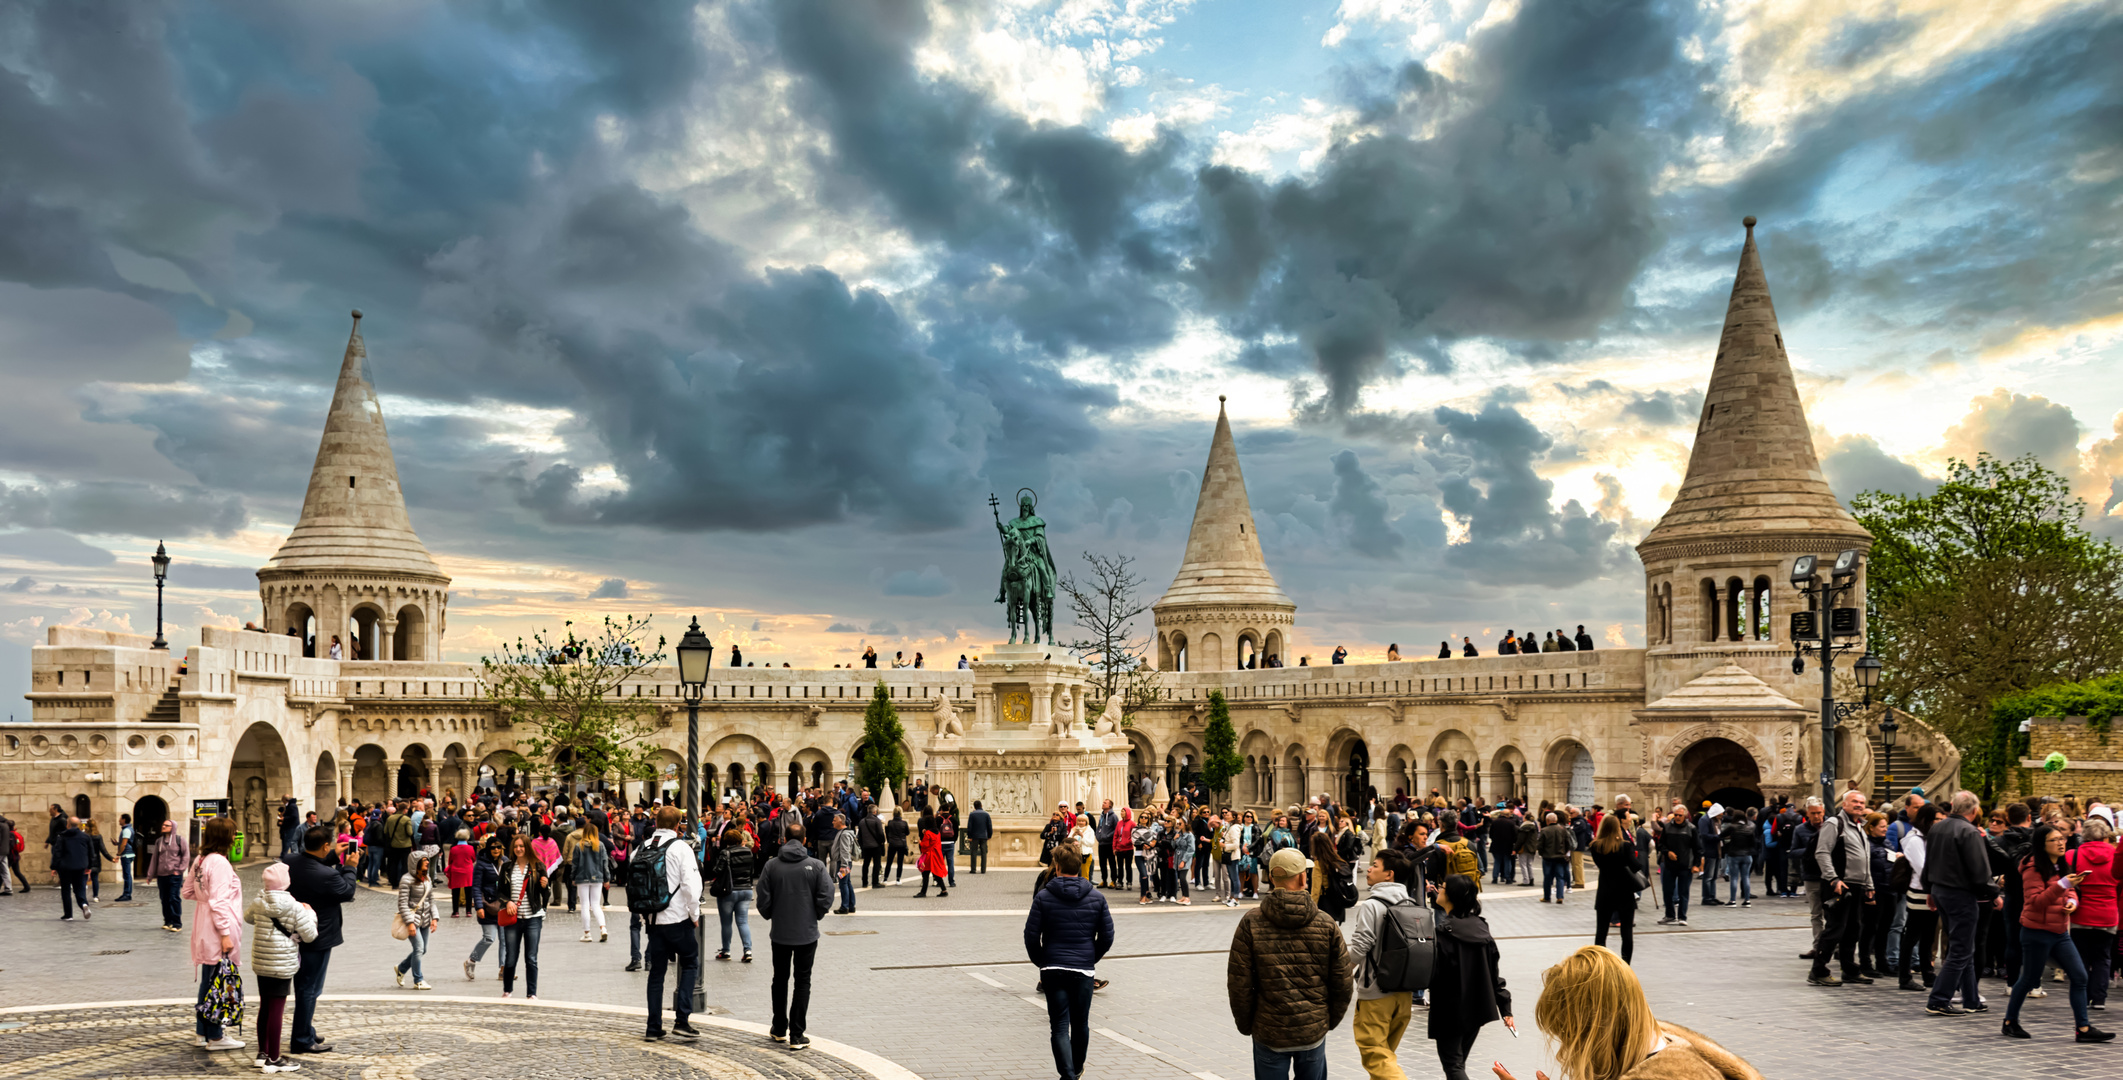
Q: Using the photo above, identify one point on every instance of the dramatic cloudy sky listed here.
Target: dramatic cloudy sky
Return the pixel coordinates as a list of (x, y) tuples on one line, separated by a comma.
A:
[(744, 308)]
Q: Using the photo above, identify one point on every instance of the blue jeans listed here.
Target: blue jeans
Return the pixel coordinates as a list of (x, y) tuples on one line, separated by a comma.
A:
[(126, 866), (950, 864), (488, 934), (200, 1025), (1280, 1064), (2037, 946), (1068, 1019), (847, 893), (1501, 866), (1677, 879), (1739, 877), (1959, 911), (1481, 855), (1556, 873), (520, 942), (171, 889), (309, 985), (738, 904), (418, 939)]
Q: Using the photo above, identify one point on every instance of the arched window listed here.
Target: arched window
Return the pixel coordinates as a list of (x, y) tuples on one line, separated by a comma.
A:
[(1735, 610), (1764, 630), (1710, 610)]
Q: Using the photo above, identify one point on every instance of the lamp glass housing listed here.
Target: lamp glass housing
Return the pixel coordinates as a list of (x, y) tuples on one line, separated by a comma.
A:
[(1868, 670), (161, 559), (1846, 564), (694, 653), (1888, 730), (1802, 569)]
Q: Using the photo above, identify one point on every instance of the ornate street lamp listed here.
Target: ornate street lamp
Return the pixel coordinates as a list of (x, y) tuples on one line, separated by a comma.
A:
[(1818, 627), (161, 559), (695, 654)]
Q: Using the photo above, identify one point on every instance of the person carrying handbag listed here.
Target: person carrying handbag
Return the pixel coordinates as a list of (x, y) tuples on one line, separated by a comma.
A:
[(416, 915), (217, 928), (521, 915)]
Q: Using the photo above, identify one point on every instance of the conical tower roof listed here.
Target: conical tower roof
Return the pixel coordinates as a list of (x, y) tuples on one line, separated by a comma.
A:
[(1223, 564), (1753, 468), (353, 518)]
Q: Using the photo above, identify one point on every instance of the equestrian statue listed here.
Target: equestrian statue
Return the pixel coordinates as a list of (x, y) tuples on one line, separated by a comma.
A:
[(1027, 593)]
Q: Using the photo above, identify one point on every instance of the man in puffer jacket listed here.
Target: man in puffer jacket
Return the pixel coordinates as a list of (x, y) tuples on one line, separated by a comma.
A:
[(1067, 931), (1288, 975)]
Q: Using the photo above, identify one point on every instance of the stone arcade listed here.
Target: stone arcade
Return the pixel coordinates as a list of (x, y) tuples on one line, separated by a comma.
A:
[(1708, 708)]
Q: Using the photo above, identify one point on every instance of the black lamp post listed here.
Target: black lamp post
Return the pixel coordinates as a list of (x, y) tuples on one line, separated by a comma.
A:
[(695, 653), (1819, 626), (161, 559), (1868, 671)]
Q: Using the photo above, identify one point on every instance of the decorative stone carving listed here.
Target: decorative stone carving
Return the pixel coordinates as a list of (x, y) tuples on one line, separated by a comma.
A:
[(1009, 792), (813, 715), (946, 717), (1109, 720)]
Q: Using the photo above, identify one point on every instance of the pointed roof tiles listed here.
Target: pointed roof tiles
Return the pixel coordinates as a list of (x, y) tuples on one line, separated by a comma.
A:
[(353, 517), (1725, 688), (1753, 468), (1223, 564)]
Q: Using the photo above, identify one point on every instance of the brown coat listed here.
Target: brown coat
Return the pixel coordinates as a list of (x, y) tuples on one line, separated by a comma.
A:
[(1691, 1057), (1288, 973)]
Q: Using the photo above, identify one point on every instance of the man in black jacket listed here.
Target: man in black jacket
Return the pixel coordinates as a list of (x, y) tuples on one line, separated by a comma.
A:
[(793, 892), (1068, 929), (979, 830), (1503, 837), (73, 859), (1957, 870), (870, 837), (1108, 821), (1680, 856), (319, 876), (2006, 851)]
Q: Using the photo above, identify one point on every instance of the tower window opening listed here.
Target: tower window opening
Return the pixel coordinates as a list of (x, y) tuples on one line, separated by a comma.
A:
[(350, 481)]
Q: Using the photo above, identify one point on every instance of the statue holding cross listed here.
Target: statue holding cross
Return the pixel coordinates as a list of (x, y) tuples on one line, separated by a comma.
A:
[(1027, 593)]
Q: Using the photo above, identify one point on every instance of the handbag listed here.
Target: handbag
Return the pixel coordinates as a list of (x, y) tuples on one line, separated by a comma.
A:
[(507, 915), (400, 929), (221, 1004)]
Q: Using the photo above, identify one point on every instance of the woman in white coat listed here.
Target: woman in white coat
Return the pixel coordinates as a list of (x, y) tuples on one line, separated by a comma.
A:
[(278, 921)]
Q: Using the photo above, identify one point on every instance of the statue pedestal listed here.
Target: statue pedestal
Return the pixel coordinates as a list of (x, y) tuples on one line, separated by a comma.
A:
[(1011, 759)]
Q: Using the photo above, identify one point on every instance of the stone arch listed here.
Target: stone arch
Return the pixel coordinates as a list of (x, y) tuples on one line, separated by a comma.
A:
[(1248, 651), (1401, 763), (1567, 765), (1183, 762), (1764, 623), (149, 812), (1709, 589), (814, 767), (1675, 762), (409, 639), (302, 619), (1142, 757), (1451, 753), (1272, 647), (261, 776), (1507, 774), (1179, 656), (1258, 784), (327, 785), (1718, 768), (364, 629), (416, 768), (1211, 649), (371, 782)]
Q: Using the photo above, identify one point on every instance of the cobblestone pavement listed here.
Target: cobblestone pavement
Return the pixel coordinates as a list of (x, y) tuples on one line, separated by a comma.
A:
[(940, 986)]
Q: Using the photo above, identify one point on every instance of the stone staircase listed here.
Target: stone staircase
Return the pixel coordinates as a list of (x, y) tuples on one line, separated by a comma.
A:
[(166, 710), (1910, 768)]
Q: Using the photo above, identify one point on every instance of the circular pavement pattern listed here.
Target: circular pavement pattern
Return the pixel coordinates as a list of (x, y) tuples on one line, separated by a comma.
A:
[(425, 1038)]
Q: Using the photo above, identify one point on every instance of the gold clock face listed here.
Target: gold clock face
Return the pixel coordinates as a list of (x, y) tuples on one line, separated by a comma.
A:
[(1017, 707)]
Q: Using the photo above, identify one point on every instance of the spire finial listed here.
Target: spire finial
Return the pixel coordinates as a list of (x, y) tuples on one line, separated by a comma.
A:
[(1749, 222), (1219, 399), (357, 314)]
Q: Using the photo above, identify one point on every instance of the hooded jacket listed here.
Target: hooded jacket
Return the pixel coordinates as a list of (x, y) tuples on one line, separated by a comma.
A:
[(2097, 893), (274, 915), (1288, 972), (1363, 926), (1069, 926), (1466, 987), (792, 893)]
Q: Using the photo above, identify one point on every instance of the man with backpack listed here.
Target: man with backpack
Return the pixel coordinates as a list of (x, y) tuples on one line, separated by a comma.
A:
[(663, 887), (1391, 945)]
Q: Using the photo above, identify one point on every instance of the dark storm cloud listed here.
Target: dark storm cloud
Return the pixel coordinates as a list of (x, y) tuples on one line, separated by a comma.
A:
[(1664, 408), (1360, 508), (116, 507), (1515, 533), (1855, 463), (1516, 204), (53, 546), (928, 581), (611, 589)]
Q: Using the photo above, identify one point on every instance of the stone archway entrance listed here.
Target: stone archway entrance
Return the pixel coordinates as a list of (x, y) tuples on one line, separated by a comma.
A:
[(149, 812), (259, 780), (1718, 770), (1356, 778)]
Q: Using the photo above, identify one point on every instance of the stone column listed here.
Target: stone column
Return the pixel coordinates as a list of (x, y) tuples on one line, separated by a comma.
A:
[(346, 781), (390, 776), (1042, 710), (1289, 780), (384, 629)]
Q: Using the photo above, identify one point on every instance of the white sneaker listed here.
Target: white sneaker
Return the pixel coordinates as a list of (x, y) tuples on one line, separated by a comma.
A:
[(2038, 992), (585, 935), (422, 985), (198, 1040), (468, 966), (225, 1043)]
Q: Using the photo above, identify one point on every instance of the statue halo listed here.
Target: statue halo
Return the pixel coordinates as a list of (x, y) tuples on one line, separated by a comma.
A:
[(1024, 491)]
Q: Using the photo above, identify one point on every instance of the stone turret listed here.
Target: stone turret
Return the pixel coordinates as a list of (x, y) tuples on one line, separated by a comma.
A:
[(353, 562), (1717, 565), (1223, 605)]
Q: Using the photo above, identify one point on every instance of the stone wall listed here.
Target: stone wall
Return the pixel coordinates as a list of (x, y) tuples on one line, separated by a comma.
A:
[(2096, 759)]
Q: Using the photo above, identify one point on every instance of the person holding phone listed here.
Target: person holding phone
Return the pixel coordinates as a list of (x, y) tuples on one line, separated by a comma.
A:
[(320, 876), (2051, 896), (1467, 986)]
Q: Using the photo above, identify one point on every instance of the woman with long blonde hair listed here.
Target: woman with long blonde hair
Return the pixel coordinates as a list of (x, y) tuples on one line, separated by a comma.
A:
[(1594, 1008)]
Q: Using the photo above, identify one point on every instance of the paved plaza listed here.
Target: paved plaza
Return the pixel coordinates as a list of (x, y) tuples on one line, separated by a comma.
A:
[(940, 989)]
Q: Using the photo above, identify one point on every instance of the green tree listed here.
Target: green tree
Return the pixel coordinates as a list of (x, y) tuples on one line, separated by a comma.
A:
[(564, 691), (879, 761), (1989, 587), (1220, 760)]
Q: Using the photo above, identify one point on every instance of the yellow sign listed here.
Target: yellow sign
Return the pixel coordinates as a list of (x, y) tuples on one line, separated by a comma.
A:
[(1017, 707)]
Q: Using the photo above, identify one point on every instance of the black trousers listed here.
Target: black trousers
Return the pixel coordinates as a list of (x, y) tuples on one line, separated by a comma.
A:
[(1068, 1019), (790, 1010), (873, 864), (1106, 871), (895, 863), (1841, 924), (1776, 876), (976, 856), (1917, 933), (73, 889), (1452, 1053), (1877, 917), (1957, 973), (1626, 915), (670, 942)]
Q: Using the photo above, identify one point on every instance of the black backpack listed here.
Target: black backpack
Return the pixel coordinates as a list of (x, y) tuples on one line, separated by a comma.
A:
[(648, 882), (1405, 950)]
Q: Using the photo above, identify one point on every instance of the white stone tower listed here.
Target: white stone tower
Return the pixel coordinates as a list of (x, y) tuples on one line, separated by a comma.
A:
[(352, 563), (1224, 606), (1717, 566)]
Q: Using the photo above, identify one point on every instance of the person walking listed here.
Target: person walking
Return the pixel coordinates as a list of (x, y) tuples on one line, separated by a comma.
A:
[(1466, 986), (840, 862), (589, 860), (930, 862), (1957, 869), (1554, 844), (1680, 856), (870, 837), (1594, 1008), (217, 921), (1381, 1014), (524, 885), (128, 848), (1615, 856), (2049, 897), (736, 866), (794, 893), (896, 847), (672, 927), (1287, 976), (1844, 856), (463, 859), (1067, 931), (321, 877), (416, 913), (278, 927), (487, 903), (73, 859), (166, 861)]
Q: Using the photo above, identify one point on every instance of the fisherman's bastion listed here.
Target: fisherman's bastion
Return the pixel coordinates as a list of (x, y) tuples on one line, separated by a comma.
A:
[(1710, 708)]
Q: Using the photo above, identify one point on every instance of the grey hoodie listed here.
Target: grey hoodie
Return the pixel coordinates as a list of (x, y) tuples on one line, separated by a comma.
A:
[(1363, 933), (792, 893)]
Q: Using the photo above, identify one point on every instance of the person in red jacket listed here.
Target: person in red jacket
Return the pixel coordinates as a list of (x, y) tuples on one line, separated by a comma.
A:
[(930, 861), (2093, 926), (462, 857), (2051, 896)]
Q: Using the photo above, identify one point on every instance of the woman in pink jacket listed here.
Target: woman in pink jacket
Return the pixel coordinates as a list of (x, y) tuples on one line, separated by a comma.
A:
[(217, 919)]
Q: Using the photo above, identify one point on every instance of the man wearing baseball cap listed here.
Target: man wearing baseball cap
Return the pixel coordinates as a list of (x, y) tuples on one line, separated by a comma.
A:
[(1288, 975)]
